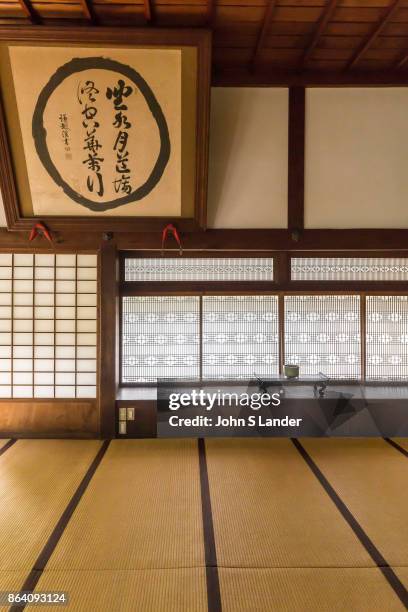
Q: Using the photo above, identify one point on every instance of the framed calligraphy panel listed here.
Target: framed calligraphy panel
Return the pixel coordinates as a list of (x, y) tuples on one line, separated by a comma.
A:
[(98, 133)]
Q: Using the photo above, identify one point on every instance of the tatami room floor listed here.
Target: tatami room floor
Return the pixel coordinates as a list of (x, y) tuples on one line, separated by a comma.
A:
[(236, 525)]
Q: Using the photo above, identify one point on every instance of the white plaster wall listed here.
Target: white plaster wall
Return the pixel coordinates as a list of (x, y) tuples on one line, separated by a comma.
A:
[(248, 158), (356, 172)]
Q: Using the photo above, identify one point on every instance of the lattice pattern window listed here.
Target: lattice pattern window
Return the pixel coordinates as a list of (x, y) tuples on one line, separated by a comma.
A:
[(48, 315), (349, 269), (322, 334), (199, 269), (240, 337), (387, 337), (160, 338)]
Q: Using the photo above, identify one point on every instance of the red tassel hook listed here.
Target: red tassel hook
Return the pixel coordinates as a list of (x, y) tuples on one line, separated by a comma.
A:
[(39, 229), (170, 229)]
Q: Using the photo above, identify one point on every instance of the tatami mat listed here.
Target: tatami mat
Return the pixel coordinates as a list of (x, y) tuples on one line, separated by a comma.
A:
[(402, 442), (170, 590), (142, 509), (270, 511), (307, 590), (371, 478), (3, 442), (402, 573), (37, 480)]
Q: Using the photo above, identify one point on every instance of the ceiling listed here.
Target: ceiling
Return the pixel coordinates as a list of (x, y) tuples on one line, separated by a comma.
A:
[(254, 36)]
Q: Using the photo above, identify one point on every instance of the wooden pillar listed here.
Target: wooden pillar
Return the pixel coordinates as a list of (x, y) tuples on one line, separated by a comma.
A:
[(108, 334), (296, 159)]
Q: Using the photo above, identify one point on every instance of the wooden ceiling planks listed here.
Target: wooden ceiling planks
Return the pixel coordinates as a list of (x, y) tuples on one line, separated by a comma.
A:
[(391, 11), (254, 36), (28, 11), (263, 31), (327, 14), (88, 11)]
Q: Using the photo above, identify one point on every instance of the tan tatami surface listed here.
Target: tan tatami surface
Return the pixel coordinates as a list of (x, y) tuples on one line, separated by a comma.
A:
[(138, 536)]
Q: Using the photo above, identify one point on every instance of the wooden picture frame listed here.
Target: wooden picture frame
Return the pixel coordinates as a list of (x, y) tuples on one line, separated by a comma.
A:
[(196, 44)]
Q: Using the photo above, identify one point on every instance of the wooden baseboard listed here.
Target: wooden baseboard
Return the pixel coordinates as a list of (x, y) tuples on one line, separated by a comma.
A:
[(49, 418)]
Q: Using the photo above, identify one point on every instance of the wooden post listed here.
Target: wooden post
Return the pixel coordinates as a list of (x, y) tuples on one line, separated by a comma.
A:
[(296, 159), (108, 307)]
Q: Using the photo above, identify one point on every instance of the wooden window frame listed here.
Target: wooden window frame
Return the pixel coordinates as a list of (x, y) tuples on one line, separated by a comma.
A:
[(281, 286)]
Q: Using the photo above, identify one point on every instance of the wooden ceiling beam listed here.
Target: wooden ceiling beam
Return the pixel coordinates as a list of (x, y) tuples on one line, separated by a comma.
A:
[(29, 11), (308, 78), (378, 28), (401, 62), (263, 31), (326, 16), (210, 13), (147, 10), (88, 11)]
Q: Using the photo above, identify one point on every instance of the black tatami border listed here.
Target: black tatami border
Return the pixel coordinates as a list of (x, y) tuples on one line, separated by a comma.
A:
[(368, 544), (211, 567), (44, 556), (396, 446), (8, 445)]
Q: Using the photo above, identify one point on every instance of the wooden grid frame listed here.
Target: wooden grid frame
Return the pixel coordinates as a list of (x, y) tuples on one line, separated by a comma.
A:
[(55, 293)]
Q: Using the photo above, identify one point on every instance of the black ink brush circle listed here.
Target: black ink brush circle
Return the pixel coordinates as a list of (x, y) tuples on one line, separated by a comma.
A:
[(40, 133)]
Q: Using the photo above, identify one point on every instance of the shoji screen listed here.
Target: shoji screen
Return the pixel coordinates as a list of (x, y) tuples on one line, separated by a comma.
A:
[(387, 337), (48, 319), (322, 334), (240, 336), (160, 338)]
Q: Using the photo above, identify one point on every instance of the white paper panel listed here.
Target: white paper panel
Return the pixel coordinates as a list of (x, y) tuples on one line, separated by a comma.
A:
[(65, 325), (87, 274), (65, 352), (6, 272), (44, 259), (87, 260), (44, 352), (22, 365), (5, 378), (23, 299), (65, 299), (44, 299), (44, 378), (22, 378), (5, 299), (44, 365), (44, 325), (5, 325), (86, 392), (44, 391), (64, 391), (22, 391), (86, 352), (23, 325), (65, 378), (44, 273), (22, 352), (66, 260), (23, 259), (66, 273)]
